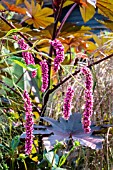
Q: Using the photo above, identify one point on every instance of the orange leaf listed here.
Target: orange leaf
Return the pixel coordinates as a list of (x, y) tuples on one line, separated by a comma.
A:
[(15, 8), (54, 78), (81, 2)]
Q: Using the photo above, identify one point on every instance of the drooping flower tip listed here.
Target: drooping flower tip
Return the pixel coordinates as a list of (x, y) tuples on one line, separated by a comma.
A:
[(22, 44), (29, 123), (28, 57), (57, 45), (67, 103), (44, 68), (88, 99), (34, 73), (15, 37), (86, 123)]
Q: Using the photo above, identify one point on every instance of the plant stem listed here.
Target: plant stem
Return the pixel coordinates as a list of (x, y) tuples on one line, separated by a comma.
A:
[(46, 96), (25, 164), (55, 34), (12, 89), (65, 18)]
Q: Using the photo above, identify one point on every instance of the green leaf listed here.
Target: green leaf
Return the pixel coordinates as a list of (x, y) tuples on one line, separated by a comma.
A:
[(4, 147), (18, 60), (52, 158), (21, 62), (62, 160), (31, 67), (13, 31), (14, 143), (87, 12)]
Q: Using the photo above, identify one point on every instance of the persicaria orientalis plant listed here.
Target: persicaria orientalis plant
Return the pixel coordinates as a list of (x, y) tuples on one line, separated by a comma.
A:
[(88, 99), (67, 103), (59, 49), (44, 68), (55, 57), (28, 57), (29, 123)]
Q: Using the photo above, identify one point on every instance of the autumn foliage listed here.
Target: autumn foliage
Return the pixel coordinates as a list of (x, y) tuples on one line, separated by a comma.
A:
[(47, 64)]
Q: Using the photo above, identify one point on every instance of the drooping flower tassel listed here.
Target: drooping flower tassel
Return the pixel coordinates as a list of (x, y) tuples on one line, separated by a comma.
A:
[(29, 123), (88, 99), (57, 45), (67, 103), (27, 55), (44, 68)]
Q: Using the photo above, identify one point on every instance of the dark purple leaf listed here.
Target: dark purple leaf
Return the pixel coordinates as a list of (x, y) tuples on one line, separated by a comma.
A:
[(37, 132), (62, 130)]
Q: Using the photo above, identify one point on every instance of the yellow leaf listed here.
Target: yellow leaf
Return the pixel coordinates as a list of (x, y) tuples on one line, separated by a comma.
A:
[(4, 26), (54, 79), (34, 151), (16, 115), (37, 15), (18, 2), (36, 114), (105, 8), (91, 46), (87, 12), (1, 7), (97, 39), (67, 3)]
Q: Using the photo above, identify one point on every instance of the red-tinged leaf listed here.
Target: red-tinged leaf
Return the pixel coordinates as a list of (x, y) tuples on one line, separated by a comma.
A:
[(81, 2), (15, 8)]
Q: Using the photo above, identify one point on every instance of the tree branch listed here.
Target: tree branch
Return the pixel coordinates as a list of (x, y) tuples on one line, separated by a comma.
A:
[(21, 34), (12, 89), (65, 18), (76, 72), (46, 96)]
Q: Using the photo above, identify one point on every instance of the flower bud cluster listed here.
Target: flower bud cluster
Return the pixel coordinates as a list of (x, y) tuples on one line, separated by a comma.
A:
[(44, 68), (29, 123), (88, 99), (67, 103), (27, 55), (59, 53)]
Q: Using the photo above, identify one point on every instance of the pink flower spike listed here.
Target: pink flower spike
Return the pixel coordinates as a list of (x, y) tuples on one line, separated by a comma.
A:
[(29, 123), (44, 67), (59, 53), (67, 103), (88, 99), (28, 57)]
